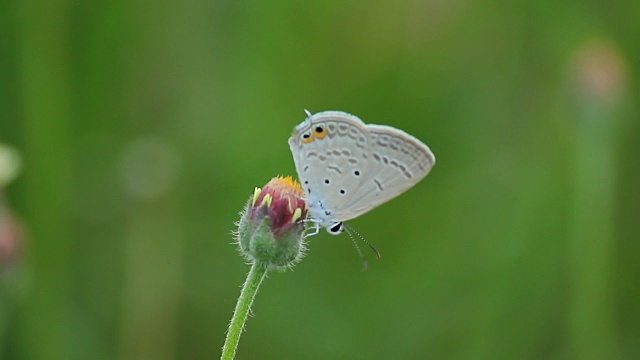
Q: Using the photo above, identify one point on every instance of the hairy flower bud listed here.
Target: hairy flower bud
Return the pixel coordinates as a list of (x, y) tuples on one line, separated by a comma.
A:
[(271, 228)]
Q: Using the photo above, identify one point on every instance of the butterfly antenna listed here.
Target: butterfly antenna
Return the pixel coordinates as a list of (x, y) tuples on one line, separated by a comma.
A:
[(350, 232), (373, 248), (364, 259)]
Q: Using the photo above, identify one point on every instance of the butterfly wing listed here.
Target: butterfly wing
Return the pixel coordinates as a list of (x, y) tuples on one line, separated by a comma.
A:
[(397, 161), (331, 152)]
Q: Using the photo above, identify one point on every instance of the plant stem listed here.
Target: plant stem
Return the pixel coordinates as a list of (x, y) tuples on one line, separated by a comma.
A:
[(46, 75), (249, 291)]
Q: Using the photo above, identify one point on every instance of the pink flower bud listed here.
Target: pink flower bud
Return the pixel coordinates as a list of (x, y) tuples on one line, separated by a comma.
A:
[(271, 229)]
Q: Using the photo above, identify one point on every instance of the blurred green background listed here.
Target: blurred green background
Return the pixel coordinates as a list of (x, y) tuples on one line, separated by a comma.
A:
[(143, 128)]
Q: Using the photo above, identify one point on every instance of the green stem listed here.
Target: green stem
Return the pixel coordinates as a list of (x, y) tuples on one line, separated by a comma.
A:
[(249, 291), (47, 73)]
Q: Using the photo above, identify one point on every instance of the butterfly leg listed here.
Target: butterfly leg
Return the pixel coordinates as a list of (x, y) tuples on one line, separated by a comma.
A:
[(316, 227)]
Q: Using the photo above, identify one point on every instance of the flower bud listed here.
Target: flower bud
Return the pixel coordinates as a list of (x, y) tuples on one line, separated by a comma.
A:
[(271, 227)]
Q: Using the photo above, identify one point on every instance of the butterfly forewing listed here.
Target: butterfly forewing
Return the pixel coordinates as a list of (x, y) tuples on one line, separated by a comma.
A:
[(331, 161)]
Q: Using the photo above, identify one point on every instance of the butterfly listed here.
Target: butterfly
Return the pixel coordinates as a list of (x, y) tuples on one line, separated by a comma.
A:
[(347, 168)]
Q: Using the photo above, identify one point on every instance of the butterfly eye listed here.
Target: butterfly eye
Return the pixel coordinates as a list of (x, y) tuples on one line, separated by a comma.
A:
[(335, 229), (319, 131), (306, 137)]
